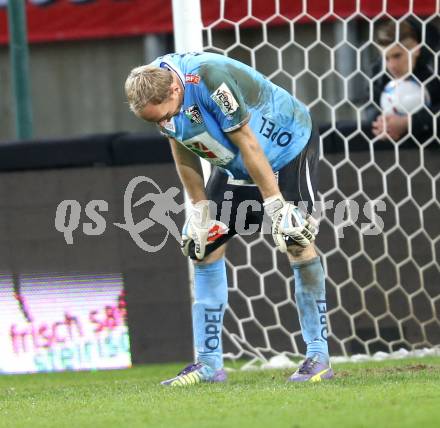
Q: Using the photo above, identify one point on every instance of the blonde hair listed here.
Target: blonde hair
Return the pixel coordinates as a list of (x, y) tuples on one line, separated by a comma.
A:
[(147, 84)]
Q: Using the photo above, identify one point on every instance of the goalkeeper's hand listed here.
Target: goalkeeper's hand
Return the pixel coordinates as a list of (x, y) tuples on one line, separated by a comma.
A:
[(289, 226), (201, 230)]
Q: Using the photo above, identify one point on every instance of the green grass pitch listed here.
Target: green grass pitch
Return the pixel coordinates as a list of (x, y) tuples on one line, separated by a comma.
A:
[(403, 393)]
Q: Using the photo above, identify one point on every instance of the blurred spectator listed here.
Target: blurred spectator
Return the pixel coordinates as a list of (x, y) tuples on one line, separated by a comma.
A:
[(405, 58)]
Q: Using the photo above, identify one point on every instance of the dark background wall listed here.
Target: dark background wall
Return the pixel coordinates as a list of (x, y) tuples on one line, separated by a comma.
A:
[(157, 284)]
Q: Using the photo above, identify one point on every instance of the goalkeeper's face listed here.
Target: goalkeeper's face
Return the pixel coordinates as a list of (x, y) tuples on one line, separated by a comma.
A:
[(164, 111)]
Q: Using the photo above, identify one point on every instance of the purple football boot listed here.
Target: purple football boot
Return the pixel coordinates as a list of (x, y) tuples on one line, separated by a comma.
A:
[(196, 373), (312, 370)]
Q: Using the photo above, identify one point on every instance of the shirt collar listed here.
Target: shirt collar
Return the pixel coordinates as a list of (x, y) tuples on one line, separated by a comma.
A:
[(171, 66)]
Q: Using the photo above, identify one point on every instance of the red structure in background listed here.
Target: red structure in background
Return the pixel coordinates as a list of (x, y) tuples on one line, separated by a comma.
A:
[(60, 20)]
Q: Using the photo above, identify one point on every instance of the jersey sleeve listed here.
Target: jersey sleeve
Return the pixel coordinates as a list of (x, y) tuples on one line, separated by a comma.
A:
[(221, 97)]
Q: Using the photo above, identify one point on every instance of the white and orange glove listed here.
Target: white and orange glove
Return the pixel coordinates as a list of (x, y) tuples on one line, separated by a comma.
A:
[(201, 230), (289, 226)]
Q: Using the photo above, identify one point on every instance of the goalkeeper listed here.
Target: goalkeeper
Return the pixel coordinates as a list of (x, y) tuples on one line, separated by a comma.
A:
[(264, 148)]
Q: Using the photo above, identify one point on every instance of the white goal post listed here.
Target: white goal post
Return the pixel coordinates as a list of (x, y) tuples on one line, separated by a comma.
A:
[(383, 289)]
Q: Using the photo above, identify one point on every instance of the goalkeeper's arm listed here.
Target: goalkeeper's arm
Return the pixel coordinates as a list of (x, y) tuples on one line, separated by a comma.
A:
[(199, 229), (289, 226), (190, 171), (255, 161)]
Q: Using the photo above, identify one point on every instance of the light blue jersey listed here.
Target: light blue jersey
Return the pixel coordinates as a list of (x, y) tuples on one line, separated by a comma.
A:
[(221, 95)]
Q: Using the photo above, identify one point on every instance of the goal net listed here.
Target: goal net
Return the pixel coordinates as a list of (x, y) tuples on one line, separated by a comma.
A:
[(380, 231)]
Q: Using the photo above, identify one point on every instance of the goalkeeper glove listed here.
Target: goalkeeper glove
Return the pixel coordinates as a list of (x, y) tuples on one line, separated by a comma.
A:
[(200, 230), (288, 224)]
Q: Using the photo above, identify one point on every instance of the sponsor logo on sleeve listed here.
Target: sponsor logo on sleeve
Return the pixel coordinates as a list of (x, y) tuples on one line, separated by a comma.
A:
[(192, 78), (223, 97), (194, 115)]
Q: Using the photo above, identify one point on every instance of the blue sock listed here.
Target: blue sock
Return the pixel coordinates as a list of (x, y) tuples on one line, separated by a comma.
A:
[(312, 307), (210, 299)]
